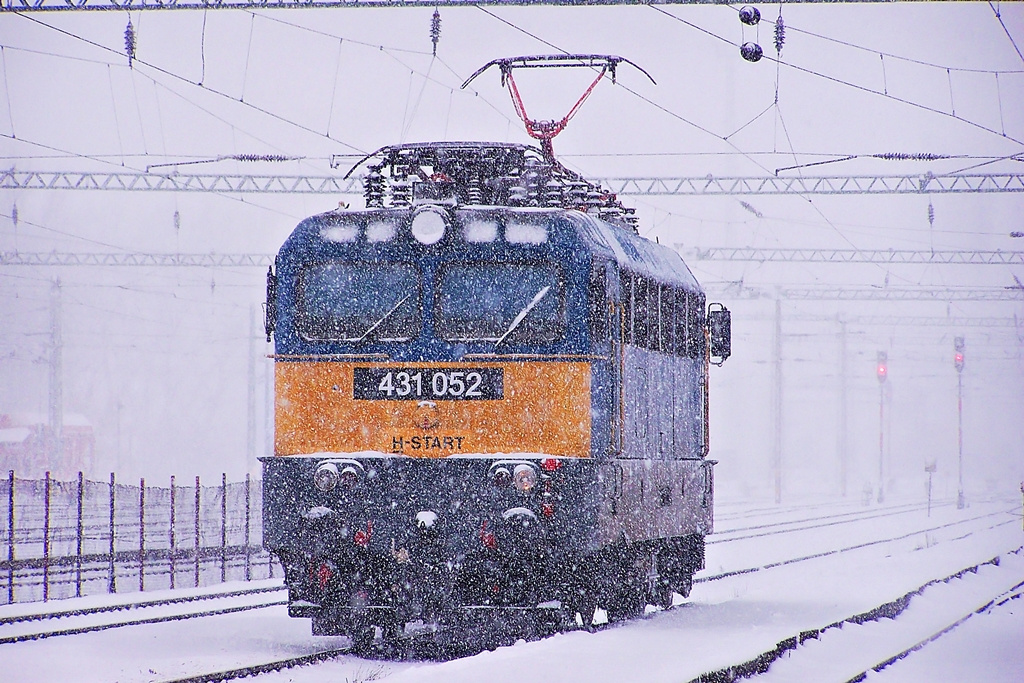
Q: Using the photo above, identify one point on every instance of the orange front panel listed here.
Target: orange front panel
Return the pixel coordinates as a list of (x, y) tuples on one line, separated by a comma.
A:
[(545, 409)]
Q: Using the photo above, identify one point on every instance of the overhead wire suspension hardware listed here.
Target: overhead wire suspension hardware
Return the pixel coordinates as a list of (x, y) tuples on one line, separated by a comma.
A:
[(545, 131)]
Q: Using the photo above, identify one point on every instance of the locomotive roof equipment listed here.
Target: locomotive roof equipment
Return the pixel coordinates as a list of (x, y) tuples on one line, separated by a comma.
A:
[(545, 131)]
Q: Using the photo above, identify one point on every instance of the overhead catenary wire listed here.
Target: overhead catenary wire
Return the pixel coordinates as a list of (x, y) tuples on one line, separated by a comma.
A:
[(840, 81), (1009, 35), (156, 85), (202, 86), (890, 55)]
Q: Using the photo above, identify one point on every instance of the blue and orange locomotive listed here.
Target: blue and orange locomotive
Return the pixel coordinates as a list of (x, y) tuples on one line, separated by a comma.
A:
[(491, 401)]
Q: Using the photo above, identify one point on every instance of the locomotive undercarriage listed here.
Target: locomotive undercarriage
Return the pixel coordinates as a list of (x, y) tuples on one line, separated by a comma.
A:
[(494, 562)]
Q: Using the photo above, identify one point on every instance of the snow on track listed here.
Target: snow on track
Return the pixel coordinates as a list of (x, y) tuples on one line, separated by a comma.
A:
[(726, 621), (853, 650)]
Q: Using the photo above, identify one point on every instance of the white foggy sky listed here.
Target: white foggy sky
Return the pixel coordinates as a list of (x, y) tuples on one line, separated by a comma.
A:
[(171, 345)]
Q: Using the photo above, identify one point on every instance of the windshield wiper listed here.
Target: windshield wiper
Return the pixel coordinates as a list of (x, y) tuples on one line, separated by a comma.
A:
[(384, 317), (523, 313)]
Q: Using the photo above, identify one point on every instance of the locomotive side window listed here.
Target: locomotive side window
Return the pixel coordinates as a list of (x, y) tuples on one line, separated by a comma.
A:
[(679, 322), (598, 303), (627, 306), (694, 325), (356, 301), (494, 301), (640, 312), (654, 315), (668, 297)]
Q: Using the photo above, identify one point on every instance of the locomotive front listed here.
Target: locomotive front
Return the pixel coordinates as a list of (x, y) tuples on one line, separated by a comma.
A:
[(434, 412)]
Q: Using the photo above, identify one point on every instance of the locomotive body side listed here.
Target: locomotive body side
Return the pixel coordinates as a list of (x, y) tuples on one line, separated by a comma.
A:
[(486, 410)]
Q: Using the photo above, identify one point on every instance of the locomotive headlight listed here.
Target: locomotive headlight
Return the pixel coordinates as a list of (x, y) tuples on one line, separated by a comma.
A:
[(501, 477), (429, 224), (349, 476), (524, 477), (326, 476)]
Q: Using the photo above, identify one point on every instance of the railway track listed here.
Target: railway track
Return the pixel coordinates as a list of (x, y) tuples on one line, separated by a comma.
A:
[(23, 627), (193, 607), (761, 665), (858, 546), (753, 667), (817, 522)]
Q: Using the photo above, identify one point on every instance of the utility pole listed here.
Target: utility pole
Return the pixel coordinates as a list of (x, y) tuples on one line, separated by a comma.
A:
[(268, 402), (250, 446), (843, 453), (56, 407), (958, 361), (883, 372), (777, 403)]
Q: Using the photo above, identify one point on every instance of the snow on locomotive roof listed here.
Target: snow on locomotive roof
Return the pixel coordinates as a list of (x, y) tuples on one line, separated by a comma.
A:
[(485, 224), (637, 254)]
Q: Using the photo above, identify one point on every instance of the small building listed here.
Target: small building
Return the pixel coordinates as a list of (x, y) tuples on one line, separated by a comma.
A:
[(27, 446)]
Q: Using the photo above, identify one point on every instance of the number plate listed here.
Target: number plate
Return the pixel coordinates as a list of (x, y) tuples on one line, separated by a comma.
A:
[(428, 384)]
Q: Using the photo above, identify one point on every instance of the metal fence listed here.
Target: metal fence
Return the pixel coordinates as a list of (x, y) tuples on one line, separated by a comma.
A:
[(68, 539)]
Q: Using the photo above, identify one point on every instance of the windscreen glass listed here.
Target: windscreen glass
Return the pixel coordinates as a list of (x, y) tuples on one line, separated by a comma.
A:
[(512, 303), (360, 301)]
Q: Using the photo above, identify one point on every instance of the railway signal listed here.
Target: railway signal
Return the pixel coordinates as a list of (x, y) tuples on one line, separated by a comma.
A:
[(883, 366)]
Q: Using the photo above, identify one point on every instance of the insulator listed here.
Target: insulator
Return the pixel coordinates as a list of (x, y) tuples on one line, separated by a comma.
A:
[(130, 41), (435, 29), (903, 156), (401, 192), (533, 181), (553, 193), (610, 212), (780, 34), (260, 157), (177, 221), (632, 220), (751, 52), (931, 214), (14, 215), (374, 189), (577, 195), (517, 195), (750, 15), (474, 191)]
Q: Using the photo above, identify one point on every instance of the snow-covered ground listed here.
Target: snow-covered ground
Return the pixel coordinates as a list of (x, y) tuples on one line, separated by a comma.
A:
[(726, 621)]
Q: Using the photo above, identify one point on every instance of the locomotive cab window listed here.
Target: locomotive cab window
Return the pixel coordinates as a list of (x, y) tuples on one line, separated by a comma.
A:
[(356, 301), (520, 302)]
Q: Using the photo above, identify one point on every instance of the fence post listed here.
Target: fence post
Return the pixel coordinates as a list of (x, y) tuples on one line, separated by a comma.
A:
[(112, 579), (248, 567), (46, 539), (223, 527), (171, 553), (78, 539), (10, 538), (197, 531), (142, 534)]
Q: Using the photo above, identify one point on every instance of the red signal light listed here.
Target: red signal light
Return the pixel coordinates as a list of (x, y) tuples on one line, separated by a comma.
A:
[(550, 464), (883, 367), (362, 538), (487, 538)]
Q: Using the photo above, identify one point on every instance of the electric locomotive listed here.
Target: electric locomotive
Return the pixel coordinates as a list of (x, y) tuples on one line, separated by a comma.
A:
[(491, 401)]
